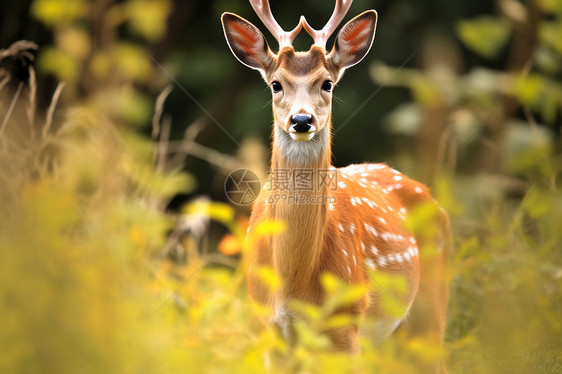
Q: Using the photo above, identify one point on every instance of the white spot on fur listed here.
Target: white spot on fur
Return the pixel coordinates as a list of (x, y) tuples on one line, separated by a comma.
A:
[(382, 220), (340, 227), (413, 251), (369, 202), (418, 189), (376, 166), (370, 263), (390, 236), (370, 229), (398, 178), (341, 185)]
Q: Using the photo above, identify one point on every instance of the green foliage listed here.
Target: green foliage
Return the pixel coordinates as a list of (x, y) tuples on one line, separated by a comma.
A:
[(504, 294), (148, 17), (59, 12), (484, 35)]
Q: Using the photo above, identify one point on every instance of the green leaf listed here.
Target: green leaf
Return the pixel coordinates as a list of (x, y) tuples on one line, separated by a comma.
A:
[(484, 35), (270, 227), (537, 203), (269, 278), (329, 282), (55, 12), (338, 321), (148, 17), (310, 312), (131, 106), (551, 6), (549, 34), (59, 63), (340, 293), (132, 61), (217, 211)]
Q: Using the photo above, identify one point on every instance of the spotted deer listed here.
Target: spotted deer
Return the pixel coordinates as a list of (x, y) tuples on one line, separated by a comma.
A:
[(353, 226)]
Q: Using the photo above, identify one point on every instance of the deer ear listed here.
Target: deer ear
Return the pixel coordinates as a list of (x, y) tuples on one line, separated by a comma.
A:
[(246, 42), (354, 40)]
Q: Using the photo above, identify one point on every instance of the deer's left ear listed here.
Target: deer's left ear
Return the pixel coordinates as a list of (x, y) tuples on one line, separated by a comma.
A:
[(354, 41)]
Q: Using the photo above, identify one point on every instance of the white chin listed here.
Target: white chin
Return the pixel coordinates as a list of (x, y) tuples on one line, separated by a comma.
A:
[(302, 137)]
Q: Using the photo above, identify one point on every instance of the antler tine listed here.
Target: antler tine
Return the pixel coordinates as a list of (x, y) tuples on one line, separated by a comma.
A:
[(284, 38), (321, 36)]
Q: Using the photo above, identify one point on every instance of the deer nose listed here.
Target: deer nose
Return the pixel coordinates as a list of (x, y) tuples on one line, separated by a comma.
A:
[(301, 123)]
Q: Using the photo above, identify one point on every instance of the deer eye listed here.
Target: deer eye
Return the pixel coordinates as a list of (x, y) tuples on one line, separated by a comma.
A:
[(276, 86), (327, 86)]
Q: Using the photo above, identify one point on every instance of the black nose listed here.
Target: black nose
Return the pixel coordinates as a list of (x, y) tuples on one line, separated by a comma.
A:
[(301, 122)]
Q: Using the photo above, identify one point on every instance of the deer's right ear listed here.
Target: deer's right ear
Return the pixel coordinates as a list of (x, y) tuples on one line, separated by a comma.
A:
[(246, 42)]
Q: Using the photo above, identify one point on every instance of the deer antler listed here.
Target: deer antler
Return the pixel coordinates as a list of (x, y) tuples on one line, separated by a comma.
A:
[(284, 38), (321, 36)]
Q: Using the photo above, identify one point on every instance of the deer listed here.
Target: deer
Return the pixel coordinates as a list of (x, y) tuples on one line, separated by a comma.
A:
[(359, 227)]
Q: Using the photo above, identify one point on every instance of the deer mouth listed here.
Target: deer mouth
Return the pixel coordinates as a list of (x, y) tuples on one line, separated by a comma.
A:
[(302, 134), (302, 137)]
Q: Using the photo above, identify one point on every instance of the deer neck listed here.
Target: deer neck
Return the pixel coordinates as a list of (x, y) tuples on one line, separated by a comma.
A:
[(296, 251)]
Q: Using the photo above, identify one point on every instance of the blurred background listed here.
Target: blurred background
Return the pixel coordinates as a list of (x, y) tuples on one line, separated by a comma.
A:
[(120, 121)]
